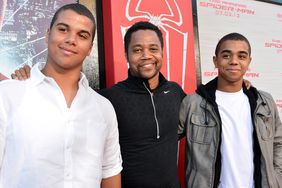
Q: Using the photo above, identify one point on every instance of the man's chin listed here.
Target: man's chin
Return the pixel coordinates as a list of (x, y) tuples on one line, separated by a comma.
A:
[(148, 76)]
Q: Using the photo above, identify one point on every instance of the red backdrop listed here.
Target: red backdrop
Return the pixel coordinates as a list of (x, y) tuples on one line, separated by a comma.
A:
[(174, 18)]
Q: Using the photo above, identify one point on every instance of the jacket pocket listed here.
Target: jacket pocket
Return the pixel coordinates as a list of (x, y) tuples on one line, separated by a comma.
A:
[(265, 125), (201, 132)]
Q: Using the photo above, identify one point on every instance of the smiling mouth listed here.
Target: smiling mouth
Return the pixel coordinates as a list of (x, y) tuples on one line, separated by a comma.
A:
[(67, 51), (146, 65), (233, 70)]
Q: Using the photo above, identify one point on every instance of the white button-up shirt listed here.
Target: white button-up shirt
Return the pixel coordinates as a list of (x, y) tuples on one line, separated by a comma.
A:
[(45, 144)]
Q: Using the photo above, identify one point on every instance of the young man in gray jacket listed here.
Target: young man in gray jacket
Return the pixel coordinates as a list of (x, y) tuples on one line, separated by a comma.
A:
[(234, 135)]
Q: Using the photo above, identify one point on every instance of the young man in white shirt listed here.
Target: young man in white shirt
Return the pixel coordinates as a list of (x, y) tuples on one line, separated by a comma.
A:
[(55, 131), (234, 135)]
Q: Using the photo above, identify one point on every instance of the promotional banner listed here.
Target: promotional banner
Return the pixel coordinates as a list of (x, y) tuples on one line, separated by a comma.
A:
[(261, 23), (173, 17)]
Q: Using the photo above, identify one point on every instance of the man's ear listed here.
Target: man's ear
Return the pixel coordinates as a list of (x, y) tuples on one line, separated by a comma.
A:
[(89, 52), (250, 60), (126, 56), (47, 36), (214, 58)]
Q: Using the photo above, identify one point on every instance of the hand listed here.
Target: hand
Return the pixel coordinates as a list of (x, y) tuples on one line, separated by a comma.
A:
[(247, 83), (22, 73)]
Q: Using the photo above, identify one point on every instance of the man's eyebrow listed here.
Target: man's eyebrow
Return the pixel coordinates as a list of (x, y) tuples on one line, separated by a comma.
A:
[(66, 25), (225, 51), (63, 24), (229, 51), (154, 44), (140, 45), (244, 52)]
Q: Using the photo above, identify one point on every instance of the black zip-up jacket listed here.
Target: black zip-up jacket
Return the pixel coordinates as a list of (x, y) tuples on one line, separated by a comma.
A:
[(148, 123)]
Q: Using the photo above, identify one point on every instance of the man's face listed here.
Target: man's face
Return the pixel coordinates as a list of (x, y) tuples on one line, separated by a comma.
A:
[(145, 54), (69, 40), (232, 61)]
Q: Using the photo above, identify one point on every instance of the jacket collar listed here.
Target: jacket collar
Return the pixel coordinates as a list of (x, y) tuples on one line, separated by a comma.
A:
[(208, 91), (138, 83)]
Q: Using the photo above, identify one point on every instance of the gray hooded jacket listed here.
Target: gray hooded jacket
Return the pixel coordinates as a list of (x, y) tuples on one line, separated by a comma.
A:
[(200, 122)]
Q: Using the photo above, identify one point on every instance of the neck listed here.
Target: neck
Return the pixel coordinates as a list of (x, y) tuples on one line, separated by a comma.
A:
[(223, 85), (154, 82), (66, 80)]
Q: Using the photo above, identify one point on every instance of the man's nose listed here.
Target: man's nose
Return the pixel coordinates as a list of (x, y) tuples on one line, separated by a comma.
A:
[(234, 60), (71, 38), (146, 54)]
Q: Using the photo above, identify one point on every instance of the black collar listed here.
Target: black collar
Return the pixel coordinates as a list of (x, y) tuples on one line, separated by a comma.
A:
[(138, 82)]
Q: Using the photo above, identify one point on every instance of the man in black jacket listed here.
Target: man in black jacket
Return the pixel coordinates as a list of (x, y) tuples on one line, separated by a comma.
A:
[(147, 107)]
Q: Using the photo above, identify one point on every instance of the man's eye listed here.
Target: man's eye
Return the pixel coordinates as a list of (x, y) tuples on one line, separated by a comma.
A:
[(226, 56), (137, 50), (62, 29), (83, 36), (242, 57), (154, 49)]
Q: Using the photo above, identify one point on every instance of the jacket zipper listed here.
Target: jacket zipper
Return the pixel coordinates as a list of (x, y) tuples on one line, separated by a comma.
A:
[(154, 108), (217, 168)]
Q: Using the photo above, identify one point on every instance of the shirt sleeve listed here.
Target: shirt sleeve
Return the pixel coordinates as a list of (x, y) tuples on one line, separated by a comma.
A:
[(183, 114), (3, 125), (112, 161), (277, 147)]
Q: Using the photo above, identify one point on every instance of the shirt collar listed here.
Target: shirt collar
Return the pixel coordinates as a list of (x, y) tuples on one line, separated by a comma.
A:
[(83, 81), (38, 77)]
